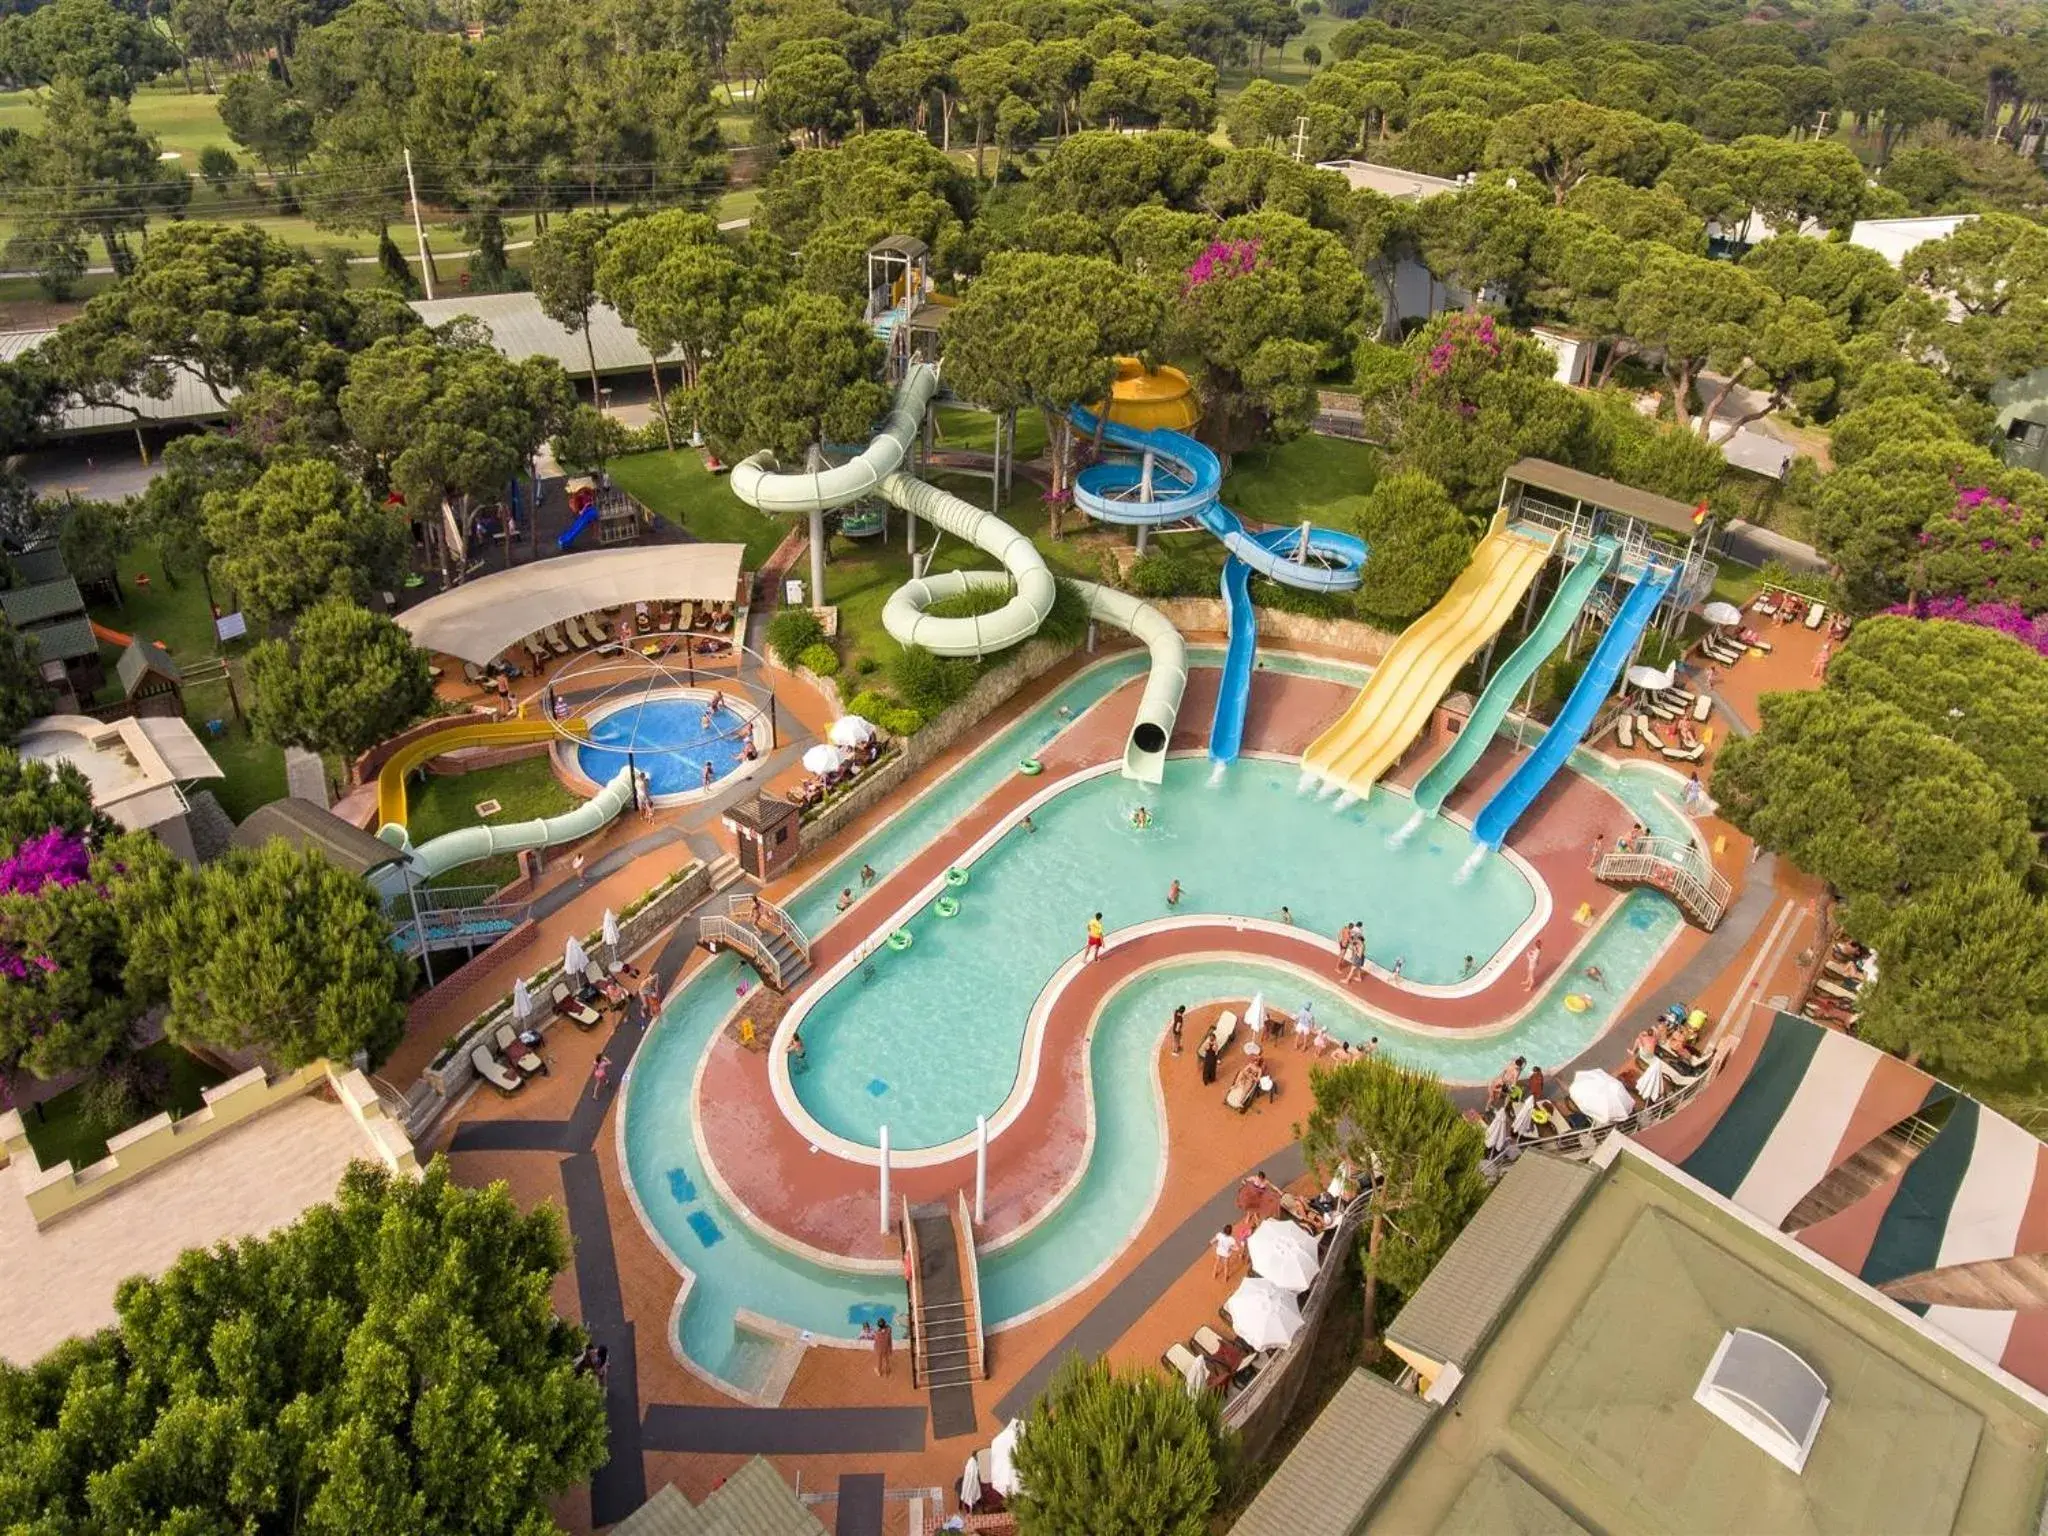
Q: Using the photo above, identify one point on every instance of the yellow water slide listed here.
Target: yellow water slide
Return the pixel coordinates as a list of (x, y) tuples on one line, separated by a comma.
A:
[(1394, 706), (460, 733)]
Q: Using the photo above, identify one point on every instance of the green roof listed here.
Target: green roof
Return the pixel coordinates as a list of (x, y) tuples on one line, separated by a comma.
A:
[(754, 1501), (1341, 1463), (66, 640), (1454, 1311), (1499, 1501), (33, 566), (144, 658), (1585, 1392), (45, 600)]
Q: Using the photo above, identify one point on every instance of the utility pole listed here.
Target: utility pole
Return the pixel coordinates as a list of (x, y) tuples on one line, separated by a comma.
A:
[(418, 229), (1300, 138)]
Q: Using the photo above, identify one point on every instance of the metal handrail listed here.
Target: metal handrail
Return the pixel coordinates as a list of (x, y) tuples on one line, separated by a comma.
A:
[(913, 1285), (713, 929), (973, 1290), (1673, 865), (1581, 1143), (759, 912)]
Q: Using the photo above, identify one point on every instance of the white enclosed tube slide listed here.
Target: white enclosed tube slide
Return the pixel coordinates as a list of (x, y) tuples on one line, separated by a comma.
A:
[(877, 470)]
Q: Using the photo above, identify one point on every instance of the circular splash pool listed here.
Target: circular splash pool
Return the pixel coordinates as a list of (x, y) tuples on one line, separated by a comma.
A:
[(669, 736)]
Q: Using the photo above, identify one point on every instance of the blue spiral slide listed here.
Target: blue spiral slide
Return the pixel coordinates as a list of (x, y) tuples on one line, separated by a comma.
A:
[(1186, 479), (1573, 721)]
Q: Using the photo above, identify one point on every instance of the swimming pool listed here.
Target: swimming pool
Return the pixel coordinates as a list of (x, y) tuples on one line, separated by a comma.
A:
[(667, 737), (733, 1269), (1244, 847)]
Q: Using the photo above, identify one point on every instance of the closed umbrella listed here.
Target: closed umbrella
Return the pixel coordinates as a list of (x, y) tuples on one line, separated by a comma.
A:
[(850, 731), (823, 758), (1497, 1131), (1255, 1015), (611, 931), (1654, 1080), (522, 1001), (970, 1485), (1195, 1376), (1002, 1460), (1264, 1315), (1602, 1097), (1721, 614), (1284, 1254), (574, 958)]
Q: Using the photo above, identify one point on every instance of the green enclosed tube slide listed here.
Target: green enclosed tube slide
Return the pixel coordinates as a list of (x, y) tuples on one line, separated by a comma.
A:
[(467, 844)]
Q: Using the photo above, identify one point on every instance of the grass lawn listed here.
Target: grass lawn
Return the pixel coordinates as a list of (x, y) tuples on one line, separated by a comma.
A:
[(184, 124), (177, 616), (62, 1134), (526, 789), (678, 487)]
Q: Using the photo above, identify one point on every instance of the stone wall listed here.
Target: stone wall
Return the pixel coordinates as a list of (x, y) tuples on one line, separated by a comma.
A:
[(452, 1071), (993, 689), (1199, 615), (56, 1192)]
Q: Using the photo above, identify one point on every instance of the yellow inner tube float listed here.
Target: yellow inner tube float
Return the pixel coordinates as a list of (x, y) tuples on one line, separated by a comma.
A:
[(946, 906), (1577, 1002), (900, 939)]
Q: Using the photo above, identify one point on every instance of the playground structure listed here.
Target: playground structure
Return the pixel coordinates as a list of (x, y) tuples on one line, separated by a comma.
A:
[(616, 515), (877, 470), (1175, 480)]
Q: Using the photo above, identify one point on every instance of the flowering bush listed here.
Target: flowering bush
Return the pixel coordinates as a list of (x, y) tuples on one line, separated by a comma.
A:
[(2006, 618), (1223, 258), (57, 857), (1985, 550)]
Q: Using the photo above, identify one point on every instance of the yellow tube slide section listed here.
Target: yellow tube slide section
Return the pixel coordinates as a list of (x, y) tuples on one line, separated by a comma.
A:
[(1394, 706), (460, 733)]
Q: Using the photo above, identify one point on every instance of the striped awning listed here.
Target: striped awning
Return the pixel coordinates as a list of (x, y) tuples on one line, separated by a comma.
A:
[(1796, 1102)]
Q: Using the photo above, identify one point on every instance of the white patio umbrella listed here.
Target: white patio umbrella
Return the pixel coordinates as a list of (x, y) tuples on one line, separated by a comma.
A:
[(1654, 1080), (574, 957), (1652, 679), (522, 1001), (1255, 1015), (1284, 1254), (1602, 1096), (1721, 614), (1264, 1315), (611, 930), (850, 731), (823, 758), (1002, 1460), (1525, 1116), (1497, 1136), (970, 1485)]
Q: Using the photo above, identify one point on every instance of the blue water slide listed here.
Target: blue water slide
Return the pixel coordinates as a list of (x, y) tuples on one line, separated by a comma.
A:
[(1573, 721), (1186, 478), (577, 529)]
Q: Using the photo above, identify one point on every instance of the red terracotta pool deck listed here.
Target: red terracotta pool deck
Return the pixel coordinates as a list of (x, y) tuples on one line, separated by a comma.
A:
[(817, 1199)]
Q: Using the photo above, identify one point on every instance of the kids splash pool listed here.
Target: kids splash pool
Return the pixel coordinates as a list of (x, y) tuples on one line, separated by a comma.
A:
[(669, 736), (735, 1270)]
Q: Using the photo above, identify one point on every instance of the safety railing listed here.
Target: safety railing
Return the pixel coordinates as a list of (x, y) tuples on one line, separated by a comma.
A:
[(1671, 865), (1580, 1144), (751, 942), (769, 918)]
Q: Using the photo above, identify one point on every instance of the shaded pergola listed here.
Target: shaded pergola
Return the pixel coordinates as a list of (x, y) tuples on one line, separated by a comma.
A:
[(482, 618)]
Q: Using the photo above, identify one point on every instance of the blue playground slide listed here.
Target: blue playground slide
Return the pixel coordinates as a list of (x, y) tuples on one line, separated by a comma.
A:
[(576, 529), (1186, 477), (1569, 729), (1449, 770)]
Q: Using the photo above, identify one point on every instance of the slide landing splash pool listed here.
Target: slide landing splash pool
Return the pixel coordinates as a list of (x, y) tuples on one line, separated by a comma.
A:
[(735, 1269)]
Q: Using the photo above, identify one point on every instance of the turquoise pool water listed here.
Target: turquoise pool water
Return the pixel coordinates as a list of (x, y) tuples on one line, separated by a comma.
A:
[(925, 1039), (734, 1269)]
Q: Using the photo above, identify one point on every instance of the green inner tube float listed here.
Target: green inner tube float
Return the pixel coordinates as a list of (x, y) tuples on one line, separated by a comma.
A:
[(900, 939), (956, 877), (1031, 767), (946, 906)]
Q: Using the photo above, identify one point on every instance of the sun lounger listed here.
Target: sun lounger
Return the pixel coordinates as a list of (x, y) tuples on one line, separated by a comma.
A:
[(553, 635), (521, 1056), (575, 633), (1227, 1353), (668, 618), (686, 616), (1649, 732), (1625, 732), (579, 1014), (1702, 708), (595, 977), (536, 652), (1833, 989), (475, 675), (1814, 614), (1245, 1086), (495, 1072), (1660, 709), (1225, 1028), (1691, 754), (1184, 1362)]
